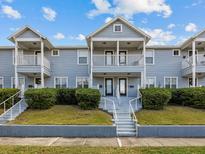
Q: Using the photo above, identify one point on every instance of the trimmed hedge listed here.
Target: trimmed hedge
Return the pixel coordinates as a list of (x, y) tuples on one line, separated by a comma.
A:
[(194, 97), (41, 98), (66, 96), (155, 98), (5, 93), (88, 98)]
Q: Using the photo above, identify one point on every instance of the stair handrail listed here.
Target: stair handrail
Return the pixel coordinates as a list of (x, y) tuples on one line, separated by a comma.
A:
[(12, 98), (132, 110)]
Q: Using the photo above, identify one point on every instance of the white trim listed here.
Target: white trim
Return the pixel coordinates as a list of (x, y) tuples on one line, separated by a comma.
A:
[(1, 77), (155, 80), (28, 39), (197, 81), (176, 77), (114, 25), (79, 56), (76, 80), (57, 54), (117, 39), (178, 51), (107, 77), (153, 57), (200, 39), (66, 77), (12, 78)]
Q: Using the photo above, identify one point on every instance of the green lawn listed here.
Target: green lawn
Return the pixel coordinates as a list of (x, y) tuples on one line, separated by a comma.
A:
[(63, 115), (172, 115), (1, 111), (99, 150)]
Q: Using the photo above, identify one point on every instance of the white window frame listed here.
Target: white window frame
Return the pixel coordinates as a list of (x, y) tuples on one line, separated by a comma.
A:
[(53, 54), (115, 26), (78, 56), (77, 77), (13, 80), (197, 82), (170, 77), (178, 51), (153, 55), (1, 77), (155, 80), (61, 77)]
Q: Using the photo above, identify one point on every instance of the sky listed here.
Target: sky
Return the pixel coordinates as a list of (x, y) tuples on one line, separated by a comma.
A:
[(68, 22)]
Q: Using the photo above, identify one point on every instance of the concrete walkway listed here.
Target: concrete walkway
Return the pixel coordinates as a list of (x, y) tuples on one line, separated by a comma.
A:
[(114, 142)]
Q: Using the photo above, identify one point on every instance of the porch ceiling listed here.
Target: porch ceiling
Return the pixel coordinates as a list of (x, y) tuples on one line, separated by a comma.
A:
[(122, 44), (137, 74)]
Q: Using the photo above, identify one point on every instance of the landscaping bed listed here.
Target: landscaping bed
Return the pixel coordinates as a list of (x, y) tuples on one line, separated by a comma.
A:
[(172, 115), (63, 115)]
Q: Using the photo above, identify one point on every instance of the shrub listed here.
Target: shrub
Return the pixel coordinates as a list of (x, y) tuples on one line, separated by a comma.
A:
[(155, 98), (194, 97), (66, 97), (5, 93), (88, 98), (41, 98)]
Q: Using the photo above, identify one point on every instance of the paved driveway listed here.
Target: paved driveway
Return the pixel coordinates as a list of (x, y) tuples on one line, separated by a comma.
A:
[(114, 142)]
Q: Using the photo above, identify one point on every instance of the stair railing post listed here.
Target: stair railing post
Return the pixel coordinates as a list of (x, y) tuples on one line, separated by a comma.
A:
[(19, 107), (4, 106)]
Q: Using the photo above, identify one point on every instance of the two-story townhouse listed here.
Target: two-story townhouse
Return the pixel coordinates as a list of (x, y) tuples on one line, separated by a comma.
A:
[(117, 60)]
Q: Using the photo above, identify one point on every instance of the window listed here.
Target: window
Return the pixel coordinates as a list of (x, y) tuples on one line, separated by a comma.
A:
[(55, 53), (117, 28), (176, 52), (190, 80), (151, 82), (170, 82), (150, 57), (83, 57), (21, 82), (82, 82), (61, 82), (1, 82)]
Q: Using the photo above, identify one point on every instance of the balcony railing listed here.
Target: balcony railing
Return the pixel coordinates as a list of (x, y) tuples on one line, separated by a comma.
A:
[(32, 60), (200, 61), (113, 60)]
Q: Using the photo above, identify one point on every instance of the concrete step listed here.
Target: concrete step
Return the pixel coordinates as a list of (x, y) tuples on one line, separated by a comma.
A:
[(126, 134), (125, 126)]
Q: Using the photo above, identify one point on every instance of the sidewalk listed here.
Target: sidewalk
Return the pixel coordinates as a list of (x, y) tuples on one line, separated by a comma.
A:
[(95, 142)]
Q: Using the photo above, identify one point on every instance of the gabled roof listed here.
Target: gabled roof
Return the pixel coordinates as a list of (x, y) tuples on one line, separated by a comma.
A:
[(192, 38), (125, 22)]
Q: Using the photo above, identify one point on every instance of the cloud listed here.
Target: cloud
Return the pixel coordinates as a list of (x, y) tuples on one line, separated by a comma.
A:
[(79, 37), (171, 26), (49, 14), (8, 1), (159, 36), (13, 29), (59, 36), (191, 27), (108, 19), (129, 8), (10, 12)]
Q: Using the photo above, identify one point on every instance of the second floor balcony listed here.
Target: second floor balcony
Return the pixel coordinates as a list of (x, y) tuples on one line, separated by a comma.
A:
[(121, 63), (32, 64)]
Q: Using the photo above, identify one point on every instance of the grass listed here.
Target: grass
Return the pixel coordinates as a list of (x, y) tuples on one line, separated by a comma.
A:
[(1, 111), (172, 115), (99, 150), (63, 115)]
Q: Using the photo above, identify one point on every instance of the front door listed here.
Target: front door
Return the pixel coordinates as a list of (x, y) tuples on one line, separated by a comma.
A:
[(37, 82), (123, 86), (37, 57), (109, 87), (122, 58), (108, 58)]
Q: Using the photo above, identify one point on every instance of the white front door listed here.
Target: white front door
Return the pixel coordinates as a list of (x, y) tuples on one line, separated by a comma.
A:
[(37, 57)]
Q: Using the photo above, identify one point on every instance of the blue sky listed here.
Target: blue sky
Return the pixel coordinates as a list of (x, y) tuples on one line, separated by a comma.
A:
[(67, 22)]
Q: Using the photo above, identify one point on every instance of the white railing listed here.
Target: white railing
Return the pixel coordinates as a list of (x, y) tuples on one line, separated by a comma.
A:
[(32, 60), (11, 103), (200, 61), (111, 60)]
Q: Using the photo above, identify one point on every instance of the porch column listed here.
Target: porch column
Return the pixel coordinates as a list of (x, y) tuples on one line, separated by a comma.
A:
[(16, 63), (42, 64), (194, 64), (118, 48), (91, 64), (145, 70)]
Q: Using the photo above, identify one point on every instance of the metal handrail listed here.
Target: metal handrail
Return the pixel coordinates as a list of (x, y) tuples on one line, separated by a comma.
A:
[(132, 110)]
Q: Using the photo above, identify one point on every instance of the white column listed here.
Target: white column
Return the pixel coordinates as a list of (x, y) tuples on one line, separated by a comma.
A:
[(145, 70), (118, 48), (91, 64), (16, 63), (193, 64), (42, 64)]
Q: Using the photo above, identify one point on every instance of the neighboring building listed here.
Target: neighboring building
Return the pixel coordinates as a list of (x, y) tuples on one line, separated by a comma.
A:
[(116, 60)]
